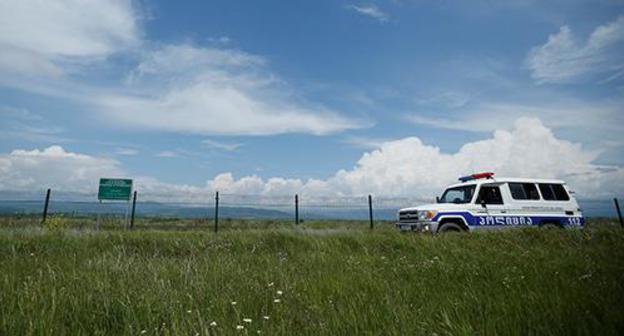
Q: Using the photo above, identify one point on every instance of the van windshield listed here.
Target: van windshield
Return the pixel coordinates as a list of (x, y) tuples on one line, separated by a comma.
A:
[(458, 195)]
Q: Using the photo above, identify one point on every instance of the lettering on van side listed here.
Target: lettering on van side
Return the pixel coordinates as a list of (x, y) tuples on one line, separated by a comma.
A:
[(504, 220)]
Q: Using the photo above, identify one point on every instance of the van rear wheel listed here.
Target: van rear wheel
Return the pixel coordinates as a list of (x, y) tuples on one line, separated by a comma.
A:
[(550, 225), (450, 227)]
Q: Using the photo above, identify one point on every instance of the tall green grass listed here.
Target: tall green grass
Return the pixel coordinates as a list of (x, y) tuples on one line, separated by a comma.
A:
[(332, 282)]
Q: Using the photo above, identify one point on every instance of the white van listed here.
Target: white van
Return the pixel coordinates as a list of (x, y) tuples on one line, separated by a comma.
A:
[(481, 201)]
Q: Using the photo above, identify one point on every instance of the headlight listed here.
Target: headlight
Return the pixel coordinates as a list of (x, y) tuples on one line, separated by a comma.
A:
[(426, 215)]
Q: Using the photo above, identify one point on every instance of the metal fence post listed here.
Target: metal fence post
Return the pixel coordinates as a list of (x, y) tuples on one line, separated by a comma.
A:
[(45, 206), (134, 197), (370, 210), (216, 213), (617, 207), (296, 209)]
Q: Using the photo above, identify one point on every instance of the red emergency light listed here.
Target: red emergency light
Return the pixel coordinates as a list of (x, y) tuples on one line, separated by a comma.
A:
[(486, 175)]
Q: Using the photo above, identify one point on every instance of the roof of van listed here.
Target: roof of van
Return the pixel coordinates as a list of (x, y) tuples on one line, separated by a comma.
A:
[(507, 179)]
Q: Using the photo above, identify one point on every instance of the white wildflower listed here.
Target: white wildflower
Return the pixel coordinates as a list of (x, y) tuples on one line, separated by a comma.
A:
[(277, 300), (279, 292), (271, 284), (247, 320), (239, 327), (143, 331), (213, 323), (233, 303), (189, 311), (265, 317), (585, 276)]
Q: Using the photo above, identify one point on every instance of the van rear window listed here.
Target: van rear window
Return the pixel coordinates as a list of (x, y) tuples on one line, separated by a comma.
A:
[(553, 192), (523, 191)]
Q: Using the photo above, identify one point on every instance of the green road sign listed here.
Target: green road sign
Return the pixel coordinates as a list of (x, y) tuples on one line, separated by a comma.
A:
[(115, 189)]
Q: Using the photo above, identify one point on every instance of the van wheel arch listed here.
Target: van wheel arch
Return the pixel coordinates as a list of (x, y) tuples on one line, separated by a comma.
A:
[(457, 221)]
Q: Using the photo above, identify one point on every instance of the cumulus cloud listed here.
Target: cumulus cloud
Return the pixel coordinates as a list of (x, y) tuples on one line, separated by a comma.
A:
[(400, 168), (182, 88), (53, 167), (409, 167), (563, 58), (37, 37), (371, 11)]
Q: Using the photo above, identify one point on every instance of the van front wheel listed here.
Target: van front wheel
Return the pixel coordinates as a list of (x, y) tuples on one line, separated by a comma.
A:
[(450, 227)]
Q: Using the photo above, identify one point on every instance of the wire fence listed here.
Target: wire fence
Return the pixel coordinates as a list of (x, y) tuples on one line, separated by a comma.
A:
[(297, 209)]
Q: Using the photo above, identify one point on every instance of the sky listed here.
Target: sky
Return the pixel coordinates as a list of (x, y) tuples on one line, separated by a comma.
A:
[(336, 98)]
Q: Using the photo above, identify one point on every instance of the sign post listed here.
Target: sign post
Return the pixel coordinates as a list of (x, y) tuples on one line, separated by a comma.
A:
[(114, 189), (133, 209)]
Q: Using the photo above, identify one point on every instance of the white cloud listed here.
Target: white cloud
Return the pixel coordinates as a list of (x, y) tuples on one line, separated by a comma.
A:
[(209, 143), (364, 142), (404, 166), (447, 99), (214, 91), (38, 37), (400, 168), (563, 58), (126, 151), (54, 167), (370, 10), (19, 123), (254, 185), (408, 167), (167, 154), (50, 48), (597, 118)]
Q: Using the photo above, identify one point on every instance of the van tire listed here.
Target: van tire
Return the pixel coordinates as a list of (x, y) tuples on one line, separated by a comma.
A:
[(450, 227), (550, 225)]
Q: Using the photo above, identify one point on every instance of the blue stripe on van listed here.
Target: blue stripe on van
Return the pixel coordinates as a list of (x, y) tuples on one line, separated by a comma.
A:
[(511, 220)]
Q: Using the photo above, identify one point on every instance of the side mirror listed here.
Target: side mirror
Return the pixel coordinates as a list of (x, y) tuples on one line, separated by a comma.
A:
[(483, 203), (437, 199)]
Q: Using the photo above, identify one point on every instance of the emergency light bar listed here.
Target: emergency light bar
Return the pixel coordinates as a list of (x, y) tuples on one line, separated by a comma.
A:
[(476, 176)]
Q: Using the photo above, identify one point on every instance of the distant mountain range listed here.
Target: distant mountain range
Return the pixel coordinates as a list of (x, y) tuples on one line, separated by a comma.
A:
[(189, 211), (591, 208)]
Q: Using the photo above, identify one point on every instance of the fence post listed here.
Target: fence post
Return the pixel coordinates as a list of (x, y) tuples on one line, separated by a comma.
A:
[(134, 197), (216, 213), (370, 210), (296, 209), (45, 206), (617, 207)]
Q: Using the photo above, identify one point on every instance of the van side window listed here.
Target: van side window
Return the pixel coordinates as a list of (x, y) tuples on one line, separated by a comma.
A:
[(560, 192), (553, 192), (490, 194), (523, 191)]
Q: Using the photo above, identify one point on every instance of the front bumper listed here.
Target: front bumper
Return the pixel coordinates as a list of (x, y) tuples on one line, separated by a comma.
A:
[(431, 227)]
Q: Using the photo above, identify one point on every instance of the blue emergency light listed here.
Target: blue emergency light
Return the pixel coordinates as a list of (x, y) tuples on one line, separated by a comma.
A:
[(476, 176)]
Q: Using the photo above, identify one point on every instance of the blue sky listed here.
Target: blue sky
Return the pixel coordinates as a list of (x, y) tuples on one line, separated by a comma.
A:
[(177, 93)]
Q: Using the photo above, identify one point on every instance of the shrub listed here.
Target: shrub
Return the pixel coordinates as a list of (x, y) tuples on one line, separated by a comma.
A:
[(55, 223)]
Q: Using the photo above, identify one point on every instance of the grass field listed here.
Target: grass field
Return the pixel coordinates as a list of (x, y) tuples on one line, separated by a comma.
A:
[(330, 278)]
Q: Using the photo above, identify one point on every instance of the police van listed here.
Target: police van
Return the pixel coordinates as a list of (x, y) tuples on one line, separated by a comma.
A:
[(481, 201)]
